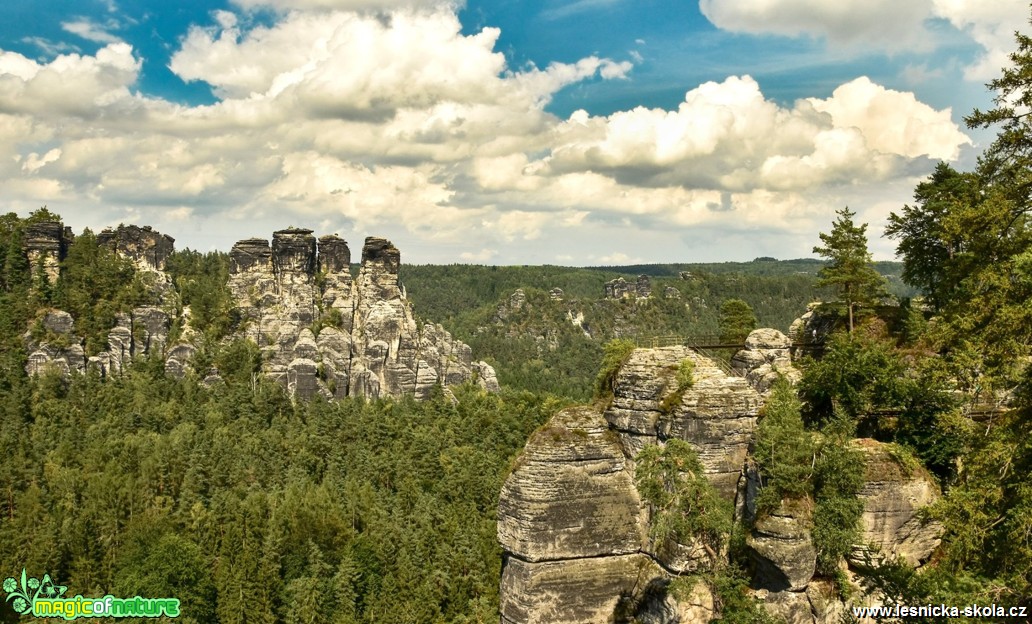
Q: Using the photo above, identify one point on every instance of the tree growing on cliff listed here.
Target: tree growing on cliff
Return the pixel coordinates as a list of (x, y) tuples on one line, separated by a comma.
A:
[(851, 270)]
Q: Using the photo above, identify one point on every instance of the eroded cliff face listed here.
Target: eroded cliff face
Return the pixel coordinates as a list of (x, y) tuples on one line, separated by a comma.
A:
[(142, 331), (320, 331), (577, 535), (369, 343)]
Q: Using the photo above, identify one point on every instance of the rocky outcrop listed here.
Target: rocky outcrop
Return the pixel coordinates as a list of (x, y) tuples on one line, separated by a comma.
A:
[(53, 346), (782, 549), (893, 494), (717, 414), (571, 495), (765, 358), (620, 288), (368, 342), (580, 549), (569, 518), (46, 244), (578, 539), (146, 247)]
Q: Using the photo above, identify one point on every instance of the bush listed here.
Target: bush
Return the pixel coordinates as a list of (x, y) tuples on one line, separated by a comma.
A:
[(685, 504), (616, 354)]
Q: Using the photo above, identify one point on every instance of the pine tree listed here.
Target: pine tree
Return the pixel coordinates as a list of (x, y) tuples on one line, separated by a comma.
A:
[(851, 270)]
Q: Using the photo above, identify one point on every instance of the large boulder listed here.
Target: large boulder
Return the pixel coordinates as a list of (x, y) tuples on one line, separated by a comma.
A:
[(765, 358), (782, 549), (894, 493)]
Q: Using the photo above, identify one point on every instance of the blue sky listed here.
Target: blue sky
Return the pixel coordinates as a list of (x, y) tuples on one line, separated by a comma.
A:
[(546, 131)]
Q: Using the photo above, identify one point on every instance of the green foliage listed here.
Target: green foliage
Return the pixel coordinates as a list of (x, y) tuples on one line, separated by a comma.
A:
[(900, 584), (253, 509), (838, 479), (851, 271), (616, 354), (95, 285), (202, 283), (784, 449), (988, 510), (736, 320), (966, 240), (686, 507), (685, 375), (858, 375), (797, 465)]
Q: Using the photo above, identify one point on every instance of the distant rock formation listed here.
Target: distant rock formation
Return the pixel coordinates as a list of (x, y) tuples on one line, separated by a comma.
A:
[(620, 288), (576, 533), (320, 331), (369, 343), (147, 248), (46, 244)]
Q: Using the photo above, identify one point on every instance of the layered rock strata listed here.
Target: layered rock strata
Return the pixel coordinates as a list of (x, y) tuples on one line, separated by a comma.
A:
[(894, 495), (46, 244), (765, 358), (578, 538), (717, 414), (368, 342)]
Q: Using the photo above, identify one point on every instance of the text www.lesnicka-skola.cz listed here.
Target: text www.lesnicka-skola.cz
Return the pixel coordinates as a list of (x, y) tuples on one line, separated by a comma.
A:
[(940, 610)]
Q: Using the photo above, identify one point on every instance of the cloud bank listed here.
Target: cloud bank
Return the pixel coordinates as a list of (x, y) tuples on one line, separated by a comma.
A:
[(394, 120)]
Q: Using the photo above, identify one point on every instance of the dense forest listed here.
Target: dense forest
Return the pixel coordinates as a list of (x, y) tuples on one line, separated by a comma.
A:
[(251, 507), (544, 343)]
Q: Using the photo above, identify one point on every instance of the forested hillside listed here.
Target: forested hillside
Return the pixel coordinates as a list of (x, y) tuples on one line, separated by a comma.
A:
[(553, 343)]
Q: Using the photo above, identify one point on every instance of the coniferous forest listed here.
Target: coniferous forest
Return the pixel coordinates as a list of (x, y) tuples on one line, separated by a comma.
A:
[(252, 507)]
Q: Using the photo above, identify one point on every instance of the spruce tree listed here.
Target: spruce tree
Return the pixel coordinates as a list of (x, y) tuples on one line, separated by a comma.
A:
[(851, 270)]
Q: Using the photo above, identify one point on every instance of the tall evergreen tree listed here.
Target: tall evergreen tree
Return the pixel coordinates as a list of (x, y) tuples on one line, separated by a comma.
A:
[(851, 270)]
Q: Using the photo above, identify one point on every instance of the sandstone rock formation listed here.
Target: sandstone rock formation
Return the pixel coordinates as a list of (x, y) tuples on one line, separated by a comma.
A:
[(717, 414), (893, 496), (782, 550), (146, 247), (570, 518), (766, 357), (620, 288), (369, 343), (579, 542), (46, 244)]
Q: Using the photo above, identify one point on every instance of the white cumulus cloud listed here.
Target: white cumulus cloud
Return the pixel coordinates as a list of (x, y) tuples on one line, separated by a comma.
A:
[(882, 24), (397, 120)]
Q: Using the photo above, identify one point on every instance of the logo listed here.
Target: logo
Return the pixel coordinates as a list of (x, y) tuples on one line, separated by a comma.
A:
[(44, 598)]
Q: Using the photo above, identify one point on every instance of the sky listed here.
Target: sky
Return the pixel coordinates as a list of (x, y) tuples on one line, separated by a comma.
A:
[(571, 132)]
